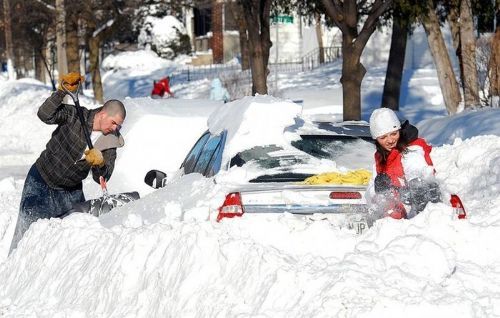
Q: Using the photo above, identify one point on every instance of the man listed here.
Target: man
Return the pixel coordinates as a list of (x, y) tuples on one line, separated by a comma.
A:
[(54, 182)]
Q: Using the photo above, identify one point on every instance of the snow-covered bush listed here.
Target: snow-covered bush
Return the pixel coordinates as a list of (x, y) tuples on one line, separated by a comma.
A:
[(166, 36), (142, 59)]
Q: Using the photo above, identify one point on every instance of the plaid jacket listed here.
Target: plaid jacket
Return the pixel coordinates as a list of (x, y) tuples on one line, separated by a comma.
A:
[(61, 164)]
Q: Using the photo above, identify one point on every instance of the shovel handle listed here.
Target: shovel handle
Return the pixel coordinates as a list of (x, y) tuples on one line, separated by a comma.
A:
[(74, 97)]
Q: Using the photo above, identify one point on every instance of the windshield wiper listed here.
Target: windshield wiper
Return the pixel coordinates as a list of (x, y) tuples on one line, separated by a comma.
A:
[(282, 177)]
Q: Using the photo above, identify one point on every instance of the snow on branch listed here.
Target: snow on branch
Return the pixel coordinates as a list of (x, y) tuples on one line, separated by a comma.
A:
[(48, 6), (103, 27)]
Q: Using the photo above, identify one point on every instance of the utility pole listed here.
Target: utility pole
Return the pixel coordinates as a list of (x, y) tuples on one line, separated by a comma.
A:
[(8, 40)]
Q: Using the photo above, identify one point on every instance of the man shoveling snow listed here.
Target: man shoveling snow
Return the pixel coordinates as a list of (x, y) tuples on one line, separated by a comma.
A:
[(54, 182)]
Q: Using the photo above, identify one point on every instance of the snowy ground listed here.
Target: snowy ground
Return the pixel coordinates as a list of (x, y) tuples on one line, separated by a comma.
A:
[(131, 265)]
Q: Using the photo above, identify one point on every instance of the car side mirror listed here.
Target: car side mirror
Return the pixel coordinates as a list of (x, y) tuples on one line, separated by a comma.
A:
[(155, 179)]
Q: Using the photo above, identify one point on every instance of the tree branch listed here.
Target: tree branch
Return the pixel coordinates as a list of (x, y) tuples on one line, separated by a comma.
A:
[(334, 11), (48, 6), (378, 8)]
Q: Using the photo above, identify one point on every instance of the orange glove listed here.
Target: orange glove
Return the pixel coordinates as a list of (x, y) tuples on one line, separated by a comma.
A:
[(71, 81), (94, 157)]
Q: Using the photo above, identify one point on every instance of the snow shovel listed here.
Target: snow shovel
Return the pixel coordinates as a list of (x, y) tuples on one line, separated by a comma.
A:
[(108, 201)]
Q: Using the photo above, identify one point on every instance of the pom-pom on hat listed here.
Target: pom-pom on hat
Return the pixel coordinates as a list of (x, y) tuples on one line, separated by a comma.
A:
[(383, 121)]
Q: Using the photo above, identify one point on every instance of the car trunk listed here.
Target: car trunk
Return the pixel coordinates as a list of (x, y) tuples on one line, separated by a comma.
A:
[(302, 199)]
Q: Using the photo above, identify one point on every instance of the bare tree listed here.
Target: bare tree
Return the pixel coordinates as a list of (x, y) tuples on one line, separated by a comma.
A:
[(494, 68), (9, 47), (345, 15), (238, 13), (72, 42), (446, 75), (395, 65), (319, 37), (257, 14), (468, 49), (62, 66)]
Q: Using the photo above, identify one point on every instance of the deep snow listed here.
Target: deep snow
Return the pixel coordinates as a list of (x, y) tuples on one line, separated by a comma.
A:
[(164, 255)]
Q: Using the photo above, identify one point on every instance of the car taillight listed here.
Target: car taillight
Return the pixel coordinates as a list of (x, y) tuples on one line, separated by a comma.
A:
[(345, 195), (457, 205), (231, 207)]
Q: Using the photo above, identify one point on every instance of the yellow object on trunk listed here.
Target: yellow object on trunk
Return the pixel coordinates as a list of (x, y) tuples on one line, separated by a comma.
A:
[(355, 177)]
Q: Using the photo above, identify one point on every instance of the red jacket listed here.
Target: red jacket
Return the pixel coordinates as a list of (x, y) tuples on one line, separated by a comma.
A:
[(161, 87), (394, 169)]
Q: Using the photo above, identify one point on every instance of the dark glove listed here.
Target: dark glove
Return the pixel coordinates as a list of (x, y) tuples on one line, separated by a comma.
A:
[(70, 81), (422, 192), (94, 157), (382, 183)]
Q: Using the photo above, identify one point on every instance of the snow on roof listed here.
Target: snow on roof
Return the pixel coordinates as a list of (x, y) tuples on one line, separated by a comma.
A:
[(251, 121)]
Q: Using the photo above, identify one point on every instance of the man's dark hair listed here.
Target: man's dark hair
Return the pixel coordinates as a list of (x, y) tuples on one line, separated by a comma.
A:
[(114, 107)]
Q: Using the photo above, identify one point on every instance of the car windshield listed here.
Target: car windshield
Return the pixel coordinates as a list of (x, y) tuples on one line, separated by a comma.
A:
[(307, 153)]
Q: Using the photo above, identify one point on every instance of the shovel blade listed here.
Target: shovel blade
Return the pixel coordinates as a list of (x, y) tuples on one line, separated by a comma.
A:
[(103, 204)]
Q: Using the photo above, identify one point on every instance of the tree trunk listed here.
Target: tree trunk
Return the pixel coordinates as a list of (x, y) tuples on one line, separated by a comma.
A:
[(9, 46), (62, 66), (72, 44), (352, 76), (257, 21), (494, 67), (242, 28), (345, 16), (319, 37), (39, 66), (468, 48), (446, 76), (395, 65), (454, 22), (94, 45)]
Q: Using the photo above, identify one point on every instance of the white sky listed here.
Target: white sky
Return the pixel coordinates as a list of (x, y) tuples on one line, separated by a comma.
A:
[(164, 255)]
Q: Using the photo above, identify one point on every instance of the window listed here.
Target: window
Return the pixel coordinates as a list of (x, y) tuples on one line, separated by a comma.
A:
[(207, 155), (191, 159), (202, 21)]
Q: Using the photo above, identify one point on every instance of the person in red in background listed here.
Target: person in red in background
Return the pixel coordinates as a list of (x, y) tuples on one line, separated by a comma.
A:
[(403, 180), (161, 87)]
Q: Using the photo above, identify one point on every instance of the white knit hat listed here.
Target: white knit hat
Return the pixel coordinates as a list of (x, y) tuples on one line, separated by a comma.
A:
[(383, 121)]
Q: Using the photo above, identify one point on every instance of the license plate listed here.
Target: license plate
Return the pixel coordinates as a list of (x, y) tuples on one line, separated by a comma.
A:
[(360, 225)]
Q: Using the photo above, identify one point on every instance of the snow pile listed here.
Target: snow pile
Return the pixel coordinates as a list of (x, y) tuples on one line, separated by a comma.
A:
[(253, 121), (163, 250), (135, 60), (467, 124), (165, 256)]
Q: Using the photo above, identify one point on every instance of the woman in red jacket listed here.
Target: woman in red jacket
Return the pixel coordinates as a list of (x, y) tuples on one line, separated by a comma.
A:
[(403, 179)]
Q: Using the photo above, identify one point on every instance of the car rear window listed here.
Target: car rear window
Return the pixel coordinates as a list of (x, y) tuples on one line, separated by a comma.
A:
[(346, 151)]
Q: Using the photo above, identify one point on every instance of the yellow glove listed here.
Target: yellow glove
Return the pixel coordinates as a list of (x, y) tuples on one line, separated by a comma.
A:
[(71, 81), (94, 157)]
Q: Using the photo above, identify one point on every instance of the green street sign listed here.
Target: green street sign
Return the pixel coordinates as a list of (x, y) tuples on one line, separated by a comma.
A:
[(283, 19)]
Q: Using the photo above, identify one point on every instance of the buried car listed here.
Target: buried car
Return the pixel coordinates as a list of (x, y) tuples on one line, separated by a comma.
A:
[(273, 160)]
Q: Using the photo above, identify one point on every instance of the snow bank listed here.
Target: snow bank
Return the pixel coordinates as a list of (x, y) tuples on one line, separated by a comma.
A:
[(467, 124), (161, 257)]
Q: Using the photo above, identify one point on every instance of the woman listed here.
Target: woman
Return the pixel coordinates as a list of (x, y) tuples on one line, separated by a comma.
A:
[(403, 179)]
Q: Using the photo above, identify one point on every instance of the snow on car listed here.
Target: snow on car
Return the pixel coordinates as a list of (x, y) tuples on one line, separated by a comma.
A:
[(260, 151)]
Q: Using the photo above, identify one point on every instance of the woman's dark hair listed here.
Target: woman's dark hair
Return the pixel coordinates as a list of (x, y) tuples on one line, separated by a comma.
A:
[(407, 134)]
